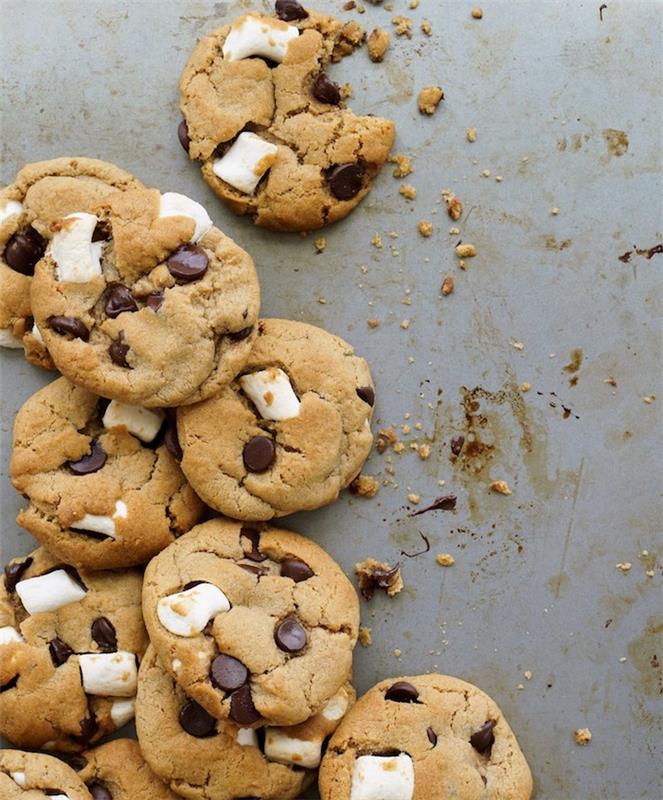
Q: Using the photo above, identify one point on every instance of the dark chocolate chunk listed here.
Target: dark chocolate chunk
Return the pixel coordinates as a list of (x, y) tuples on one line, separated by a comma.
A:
[(118, 352), (296, 569), (289, 10), (237, 336), (345, 180), (367, 394), (101, 232), (402, 692), (290, 635), (119, 300), (59, 651), (154, 300), (377, 576), (24, 250), (183, 135), (88, 729), (188, 263), (242, 709), (99, 791), (259, 453), (228, 673), (103, 633), (432, 736), (92, 462), (10, 684), (69, 326), (14, 571), (196, 721), (482, 740), (326, 91), (253, 536)]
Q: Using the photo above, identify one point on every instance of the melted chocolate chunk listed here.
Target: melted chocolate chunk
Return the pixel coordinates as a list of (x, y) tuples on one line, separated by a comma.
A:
[(24, 250), (103, 633), (253, 536), (196, 721), (99, 791), (483, 739), (237, 336), (326, 91), (367, 394), (10, 684), (118, 352), (14, 571), (183, 135), (242, 709), (345, 180), (188, 263), (402, 692), (432, 736), (69, 326), (90, 463), (228, 673), (119, 300), (154, 300), (259, 453), (289, 10), (59, 651), (290, 636), (296, 569)]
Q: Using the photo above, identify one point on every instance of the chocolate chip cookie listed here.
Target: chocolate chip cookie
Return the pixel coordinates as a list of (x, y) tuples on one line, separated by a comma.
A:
[(208, 759), (271, 128), (144, 301), (296, 426), (430, 737), (34, 775), (256, 624), (69, 648), (42, 193), (102, 479)]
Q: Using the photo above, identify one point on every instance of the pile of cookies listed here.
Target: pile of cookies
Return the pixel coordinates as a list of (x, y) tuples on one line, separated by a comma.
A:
[(182, 424)]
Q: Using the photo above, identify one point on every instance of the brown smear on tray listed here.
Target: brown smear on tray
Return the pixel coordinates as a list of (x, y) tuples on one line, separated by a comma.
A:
[(647, 253), (446, 503)]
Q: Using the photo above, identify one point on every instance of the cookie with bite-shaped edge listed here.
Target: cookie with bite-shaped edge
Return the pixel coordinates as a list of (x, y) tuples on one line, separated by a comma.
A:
[(70, 643), (207, 759), (144, 301), (428, 737), (256, 624), (271, 128), (42, 193), (29, 776), (297, 426), (103, 483)]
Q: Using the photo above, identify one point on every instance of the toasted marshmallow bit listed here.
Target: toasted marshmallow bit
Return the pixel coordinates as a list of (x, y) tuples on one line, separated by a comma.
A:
[(271, 392), (76, 256), (143, 423), (383, 778), (123, 711), (37, 333), (258, 36), (49, 592), (187, 613), (9, 208), (98, 523), (109, 674), (7, 339), (18, 777), (179, 205), (9, 634), (286, 749), (247, 737), (245, 162), (336, 707)]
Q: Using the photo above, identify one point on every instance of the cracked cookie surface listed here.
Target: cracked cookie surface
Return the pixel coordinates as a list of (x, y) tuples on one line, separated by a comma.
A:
[(315, 159), (434, 735), (100, 496), (296, 427), (69, 646), (275, 643), (145, 301), (29, 776), (42, 193)]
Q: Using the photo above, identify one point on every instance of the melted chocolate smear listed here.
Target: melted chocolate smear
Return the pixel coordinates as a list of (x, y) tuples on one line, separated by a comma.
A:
[(253, 536), (446, 503), (378, 578), (14, 571), (482, 741), (419, 552)]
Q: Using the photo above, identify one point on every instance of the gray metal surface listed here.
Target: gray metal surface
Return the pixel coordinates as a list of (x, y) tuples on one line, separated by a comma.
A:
[(534, 587)]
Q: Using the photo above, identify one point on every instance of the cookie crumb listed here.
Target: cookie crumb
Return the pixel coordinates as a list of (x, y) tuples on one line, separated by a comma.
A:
[(423, 451), (582, 736), (528, 675), (408, 191), (445, 559), (525, 387), (447, 285), (374, 575), (426, 28), (610, 381), (649, 399), (517, 345), (501, 487), (373, 323), (405, 324), (413, 4), (486, 173), (624, 566), (365, 638), (466, 250), (322, 301), (471, 134), (351, 37), (398, 652), (477, 13), (454, 231), (378, 43), (403, 165), (454, 206), (425, 228), (386, 438), (346, 91), (402, 26), (376, 241), (365, 485), (320, 244), (413, 498), (429, 99)]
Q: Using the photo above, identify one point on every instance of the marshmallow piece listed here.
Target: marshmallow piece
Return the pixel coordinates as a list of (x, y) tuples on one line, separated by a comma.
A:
[(176, 664), (37, 333), (271, 393), (59, 797), (253, 36), (109, 674), (7, 339), (178, 205), (245, 162), (336, 707), (9, 634), (247, 737), (75, 254), (99, 523), (18, 777), (187, 613), (122, 711), (286, 749), (8, 208), (49, 592), (383, 778), (141, 422)]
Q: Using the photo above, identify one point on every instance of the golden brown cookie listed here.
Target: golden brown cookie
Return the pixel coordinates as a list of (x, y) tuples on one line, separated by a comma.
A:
[(102, 479), (274, 135), (32, 776), (428, 737), (296, 426), (256, 625)]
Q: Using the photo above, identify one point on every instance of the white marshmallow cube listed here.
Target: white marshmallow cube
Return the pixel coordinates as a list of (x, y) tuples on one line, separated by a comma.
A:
[(247, 737), (383, 778), (122, 711), (179, 205), (245, 162), (187, 613), (9, 634), (144, 423), (272, 394), (286, 749), (49, 592), (336, 707), (9, 208), (100, 523), (18, 777), (258, 36), (7, 339), (76, 256), (109, 674)]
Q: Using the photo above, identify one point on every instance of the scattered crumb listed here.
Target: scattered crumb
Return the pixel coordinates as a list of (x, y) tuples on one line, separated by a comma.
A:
[(466, 250), (376, 241), (445, 559), (649, 398), (525, 387), (374, 575), (520, 686), (499, 178), (413, 498), (622, 660), (352, 36), (425, 228), (408, 191), (398, 652), (447, 285), (349, 5), (346, 90), (423, 451), (365, 486), (454, 206), (454, 231), (405, 324), (402, 26), (426, 28), (378, 43), (624, 566), (486, 173), (471, 134), (582, 736), (477, 13), (429, 99), (386, 438), (649, 573), (528, 675), (554, 211), (501, 487), (373, 323), (413, 4), (403, 165), (320, 244), (611, 381), (365, 638), (322, 301), (517, 345)]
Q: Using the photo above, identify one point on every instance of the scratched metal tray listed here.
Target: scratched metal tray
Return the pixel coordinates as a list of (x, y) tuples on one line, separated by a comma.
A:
[(567, 107)]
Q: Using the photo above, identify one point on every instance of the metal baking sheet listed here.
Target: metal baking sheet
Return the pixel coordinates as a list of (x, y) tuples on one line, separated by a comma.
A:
[(566, 100)]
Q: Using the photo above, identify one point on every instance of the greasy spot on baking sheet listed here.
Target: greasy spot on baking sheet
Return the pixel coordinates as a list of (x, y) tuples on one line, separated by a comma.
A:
[(645, 653), (616, 141)]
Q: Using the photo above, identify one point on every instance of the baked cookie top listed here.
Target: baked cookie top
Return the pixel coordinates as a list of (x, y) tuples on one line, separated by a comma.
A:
[(69, 649), (31, 776), (102, 480), (428, 737), (271, 129), (144, 301), (201, 757), (256, 625), (296, 426), (42, 193)]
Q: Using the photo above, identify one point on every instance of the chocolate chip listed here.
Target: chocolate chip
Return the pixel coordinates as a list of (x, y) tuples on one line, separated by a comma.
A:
[(118, 352), (188, 263), (103, 633), (326, 91), (196, 721), (75, 761), (252, 569), (23, 250), (172, 442), (483, 739), (59, 651), (253, 536), (259, 453), (242, 709), (287, 10), (88, 729), (183, 135), (456, 444), (290, 636), (69, 326), (101, 232), (345, 180), (296, 569), (99, 791), (237, 336), (52, 792), (9, 685), (367, 394), (154, 300), (401, 692), (90, 463), (14, 571), (228, 673), (432, 736), (119, 300)]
